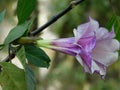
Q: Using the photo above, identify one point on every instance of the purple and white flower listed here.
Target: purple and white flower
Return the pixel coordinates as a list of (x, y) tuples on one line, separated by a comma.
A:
[(94, 47)]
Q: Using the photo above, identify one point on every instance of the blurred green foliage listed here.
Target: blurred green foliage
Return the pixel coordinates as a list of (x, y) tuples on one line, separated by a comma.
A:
[(9, 6)]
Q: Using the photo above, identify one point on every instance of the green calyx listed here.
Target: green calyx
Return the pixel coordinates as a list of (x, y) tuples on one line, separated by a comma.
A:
[(43, 43)]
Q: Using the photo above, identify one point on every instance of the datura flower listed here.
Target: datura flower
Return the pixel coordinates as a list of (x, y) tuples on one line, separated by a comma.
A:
[(94, 47)]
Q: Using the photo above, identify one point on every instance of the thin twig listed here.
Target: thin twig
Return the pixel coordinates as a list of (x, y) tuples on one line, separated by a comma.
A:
[(11, 54), (56, 17), (9, 51), (9, 57)]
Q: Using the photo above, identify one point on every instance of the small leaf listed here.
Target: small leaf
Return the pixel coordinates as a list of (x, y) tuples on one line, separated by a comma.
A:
[(115, 21), (29, 75), (2, 14), (36, 56), (30, 25), (111, 22), (30, 78), (24, 9), (12, 77), (17, 32), (117, 28), (21, 56)]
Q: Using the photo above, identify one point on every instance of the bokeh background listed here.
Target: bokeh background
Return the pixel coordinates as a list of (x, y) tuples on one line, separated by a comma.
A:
[(65, 73)]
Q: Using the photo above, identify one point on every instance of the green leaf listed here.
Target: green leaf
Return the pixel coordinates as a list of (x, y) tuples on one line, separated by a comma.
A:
[(36, 56), (111, 22), (2, 14), (24, 9), (30, 78), (117, 28), (29, 75), (115, 21), (29, 26), (17, 32), (21, 56), (12, 77)]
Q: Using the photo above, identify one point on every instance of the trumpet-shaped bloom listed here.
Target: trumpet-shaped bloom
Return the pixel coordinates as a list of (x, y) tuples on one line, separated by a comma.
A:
[(94, 47)]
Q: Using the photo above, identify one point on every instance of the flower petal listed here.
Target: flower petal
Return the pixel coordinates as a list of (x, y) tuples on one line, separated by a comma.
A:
[(71, 50), (87, 43), (105, 54), (64, 42), (84, 65), (86, 30), (86, 60), (102, 33), (98, 68)]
